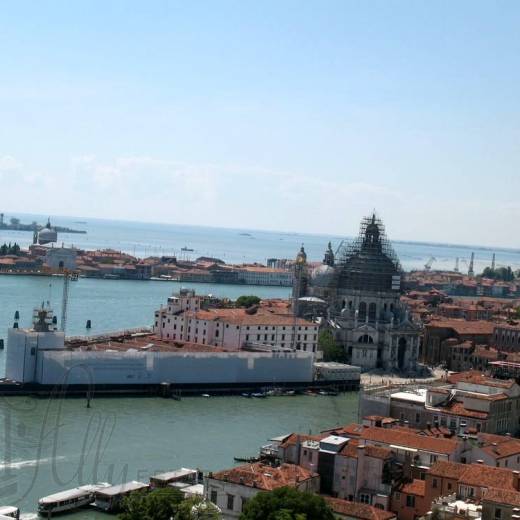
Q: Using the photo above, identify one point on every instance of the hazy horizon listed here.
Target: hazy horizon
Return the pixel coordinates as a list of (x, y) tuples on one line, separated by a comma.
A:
[(337, 236)]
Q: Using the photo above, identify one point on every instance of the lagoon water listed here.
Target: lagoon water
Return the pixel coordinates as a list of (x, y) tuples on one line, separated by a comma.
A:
[(47, 446), (52, 445)]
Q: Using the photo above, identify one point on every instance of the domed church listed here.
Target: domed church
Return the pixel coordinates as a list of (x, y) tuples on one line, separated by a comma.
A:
[(359, 289)]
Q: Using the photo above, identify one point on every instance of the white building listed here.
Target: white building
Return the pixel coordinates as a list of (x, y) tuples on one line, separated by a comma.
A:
[(61, 258), (233, 328), (266, 276), (40, 355), (230, 489)]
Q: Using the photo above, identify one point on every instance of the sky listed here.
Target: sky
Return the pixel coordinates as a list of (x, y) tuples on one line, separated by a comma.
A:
[(278, 115)]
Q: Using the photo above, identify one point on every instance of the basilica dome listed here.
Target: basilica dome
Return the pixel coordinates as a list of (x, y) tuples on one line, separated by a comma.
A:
[(369, 263)]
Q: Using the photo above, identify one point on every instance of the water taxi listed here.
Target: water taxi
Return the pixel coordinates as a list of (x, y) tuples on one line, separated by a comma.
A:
[(69, 499)]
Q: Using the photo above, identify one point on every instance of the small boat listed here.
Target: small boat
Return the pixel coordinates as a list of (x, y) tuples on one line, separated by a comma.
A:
[(289, 392), (69, 500), (245, 394), (9, 512), (187, 249), (205, 395), (259, 395)]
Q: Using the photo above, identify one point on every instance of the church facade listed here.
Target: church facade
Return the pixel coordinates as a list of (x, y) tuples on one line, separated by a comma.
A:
[(357, 292)]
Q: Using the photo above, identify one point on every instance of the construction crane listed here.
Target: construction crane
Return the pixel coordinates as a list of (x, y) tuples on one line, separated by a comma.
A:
[(428, 264), (68, 276), (471, 270), (456, 265)]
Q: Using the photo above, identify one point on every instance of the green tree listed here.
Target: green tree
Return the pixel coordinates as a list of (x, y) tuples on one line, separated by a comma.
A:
[(287, 504), (247, 301), (331, 350), (501, 273), (197, 508), (160, 504)]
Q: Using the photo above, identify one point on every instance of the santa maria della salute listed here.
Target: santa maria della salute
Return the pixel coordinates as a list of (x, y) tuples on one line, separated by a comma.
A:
[(357, 291)]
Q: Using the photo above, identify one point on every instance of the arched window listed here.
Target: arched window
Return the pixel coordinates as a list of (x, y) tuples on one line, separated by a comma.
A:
[(362, 311), (365, 339), (372, 310)]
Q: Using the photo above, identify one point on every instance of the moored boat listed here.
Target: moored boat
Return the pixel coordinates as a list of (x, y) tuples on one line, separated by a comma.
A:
[(109, 499), (69, 500)]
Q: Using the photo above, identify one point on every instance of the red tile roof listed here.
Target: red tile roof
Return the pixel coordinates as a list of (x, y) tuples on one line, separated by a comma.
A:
[(479, 475), (391, 436), (457, 408), (263, 316), (502, 496), (265, 477), (503, 449), (358, 510), (479, 378), (297, 438), (416, 487), (446, 469), (463, 327)]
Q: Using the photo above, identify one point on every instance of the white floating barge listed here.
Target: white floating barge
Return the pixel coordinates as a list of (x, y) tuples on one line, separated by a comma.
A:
[(68, 500), (109, 499)]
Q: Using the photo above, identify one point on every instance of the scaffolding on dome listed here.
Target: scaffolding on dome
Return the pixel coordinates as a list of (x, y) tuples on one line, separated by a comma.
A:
[(368, 263)]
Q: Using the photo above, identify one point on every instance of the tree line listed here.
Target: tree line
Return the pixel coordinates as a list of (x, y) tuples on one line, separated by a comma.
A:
[(8, 249)]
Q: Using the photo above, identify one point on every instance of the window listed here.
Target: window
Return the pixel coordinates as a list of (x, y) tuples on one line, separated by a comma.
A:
[(449, 486), (498, 513), (230, 502), (434, 484), (410, 501), (213, 496), (244, 502)]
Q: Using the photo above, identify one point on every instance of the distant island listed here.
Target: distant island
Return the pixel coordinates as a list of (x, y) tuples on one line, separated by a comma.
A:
[(14, 224)]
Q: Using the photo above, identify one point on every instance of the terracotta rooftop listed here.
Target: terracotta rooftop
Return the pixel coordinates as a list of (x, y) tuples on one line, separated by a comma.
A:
[(350, 449), (458, 408), (480, 475), (502, 496), (416, 487), (265, 477), (357, 510), (350, 430), (463, 327), (377, 452), (400, 437), (503, 449), (263, 316), (479, 378), (297, 438), (446, 469)]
